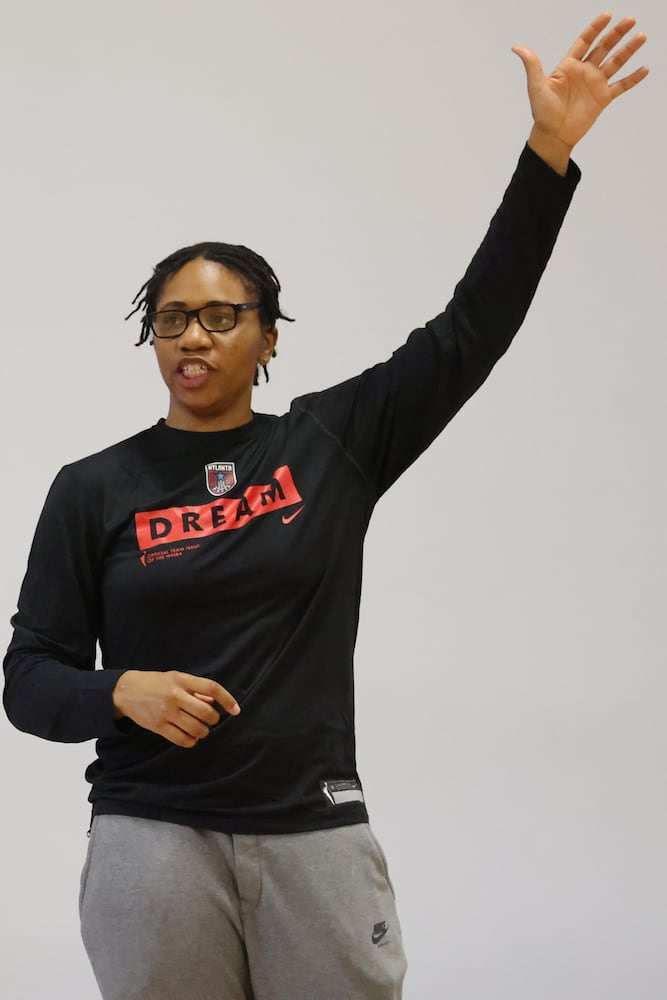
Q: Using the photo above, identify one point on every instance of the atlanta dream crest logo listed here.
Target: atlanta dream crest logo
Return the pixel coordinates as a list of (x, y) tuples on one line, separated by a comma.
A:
[(220, 477)]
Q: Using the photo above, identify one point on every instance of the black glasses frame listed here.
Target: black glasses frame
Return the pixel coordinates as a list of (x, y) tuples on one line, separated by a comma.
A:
[(191, 313)]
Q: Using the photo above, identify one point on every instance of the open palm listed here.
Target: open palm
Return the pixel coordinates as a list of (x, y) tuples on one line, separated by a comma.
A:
[(566, 104)]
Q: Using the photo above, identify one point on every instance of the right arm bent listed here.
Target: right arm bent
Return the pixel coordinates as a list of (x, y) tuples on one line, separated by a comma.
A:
[(52, 688), (172, 704)]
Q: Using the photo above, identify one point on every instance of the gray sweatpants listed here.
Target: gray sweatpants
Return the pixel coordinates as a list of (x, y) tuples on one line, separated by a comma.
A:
[(173, 913)]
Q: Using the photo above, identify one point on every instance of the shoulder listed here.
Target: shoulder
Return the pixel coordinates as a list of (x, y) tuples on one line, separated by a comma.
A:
[(118, 459)]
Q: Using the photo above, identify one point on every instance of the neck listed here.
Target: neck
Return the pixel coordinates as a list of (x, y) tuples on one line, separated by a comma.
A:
[(185, 420)]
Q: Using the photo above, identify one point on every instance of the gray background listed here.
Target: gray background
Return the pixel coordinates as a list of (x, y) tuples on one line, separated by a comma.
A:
[(511, 691)]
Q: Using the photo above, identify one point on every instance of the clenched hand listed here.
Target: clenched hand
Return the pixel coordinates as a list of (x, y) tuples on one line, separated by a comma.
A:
[(172, 704)]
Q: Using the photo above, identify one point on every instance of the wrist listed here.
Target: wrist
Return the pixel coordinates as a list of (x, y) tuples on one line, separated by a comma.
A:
[(551, 149), (117, 695)]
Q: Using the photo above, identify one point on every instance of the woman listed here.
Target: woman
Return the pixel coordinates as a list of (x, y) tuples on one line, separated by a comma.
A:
[(217, 558)]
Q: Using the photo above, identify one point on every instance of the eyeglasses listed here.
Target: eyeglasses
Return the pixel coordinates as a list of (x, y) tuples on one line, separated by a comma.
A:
[(171, 323)]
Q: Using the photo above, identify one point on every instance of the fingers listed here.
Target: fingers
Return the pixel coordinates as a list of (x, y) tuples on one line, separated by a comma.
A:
[(583, 43), (611, 39), (194, 714), (212, 690), (531, 63), (188, 723), (619, 59), (611, 65), (200, 708), (178, 736), (194, 711), (601, 51), (181, 707), (628, 82)]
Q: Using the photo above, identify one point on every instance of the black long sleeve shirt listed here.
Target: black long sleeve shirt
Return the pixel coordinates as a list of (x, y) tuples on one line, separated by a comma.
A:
[(237, 555)]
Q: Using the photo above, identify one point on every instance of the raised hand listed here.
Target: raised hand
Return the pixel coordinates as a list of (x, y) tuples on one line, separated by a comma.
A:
[(172, 704), (566, 104)]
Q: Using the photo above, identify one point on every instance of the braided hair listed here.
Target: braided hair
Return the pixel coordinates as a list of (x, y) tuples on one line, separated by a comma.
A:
[(257, 275)]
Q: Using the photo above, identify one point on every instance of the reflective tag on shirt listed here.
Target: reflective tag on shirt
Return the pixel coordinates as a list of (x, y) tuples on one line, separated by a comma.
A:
[(345, 790)]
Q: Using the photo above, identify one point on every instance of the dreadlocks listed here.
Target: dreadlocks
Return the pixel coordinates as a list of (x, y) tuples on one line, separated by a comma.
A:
[(259, 278)]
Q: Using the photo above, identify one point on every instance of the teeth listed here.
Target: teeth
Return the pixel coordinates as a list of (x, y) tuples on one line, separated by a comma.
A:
[(191, 370)]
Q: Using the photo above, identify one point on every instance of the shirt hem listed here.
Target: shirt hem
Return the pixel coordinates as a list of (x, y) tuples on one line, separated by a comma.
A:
[(239, 824)]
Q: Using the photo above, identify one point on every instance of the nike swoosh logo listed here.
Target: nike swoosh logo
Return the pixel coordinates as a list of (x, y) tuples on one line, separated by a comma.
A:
[(376, 938), (286, 520)]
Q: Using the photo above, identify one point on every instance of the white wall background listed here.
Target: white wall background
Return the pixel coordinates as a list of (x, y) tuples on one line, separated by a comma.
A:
[(511, 685)]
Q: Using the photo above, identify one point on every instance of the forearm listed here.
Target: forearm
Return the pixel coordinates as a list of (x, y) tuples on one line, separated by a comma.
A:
[(56, 701), (51, 686), (491, 300)]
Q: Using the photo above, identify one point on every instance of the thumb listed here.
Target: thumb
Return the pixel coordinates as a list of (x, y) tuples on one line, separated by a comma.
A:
[(531, 63)]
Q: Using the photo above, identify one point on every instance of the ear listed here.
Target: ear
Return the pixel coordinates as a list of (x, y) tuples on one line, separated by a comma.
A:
[(269, 341)]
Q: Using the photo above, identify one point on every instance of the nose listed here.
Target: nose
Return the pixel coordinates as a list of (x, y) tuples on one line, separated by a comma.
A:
[(194, 334)]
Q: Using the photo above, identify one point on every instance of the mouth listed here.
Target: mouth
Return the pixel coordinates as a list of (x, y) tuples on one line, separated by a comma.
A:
[(193, 374), (193, 368), (191, 371)]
